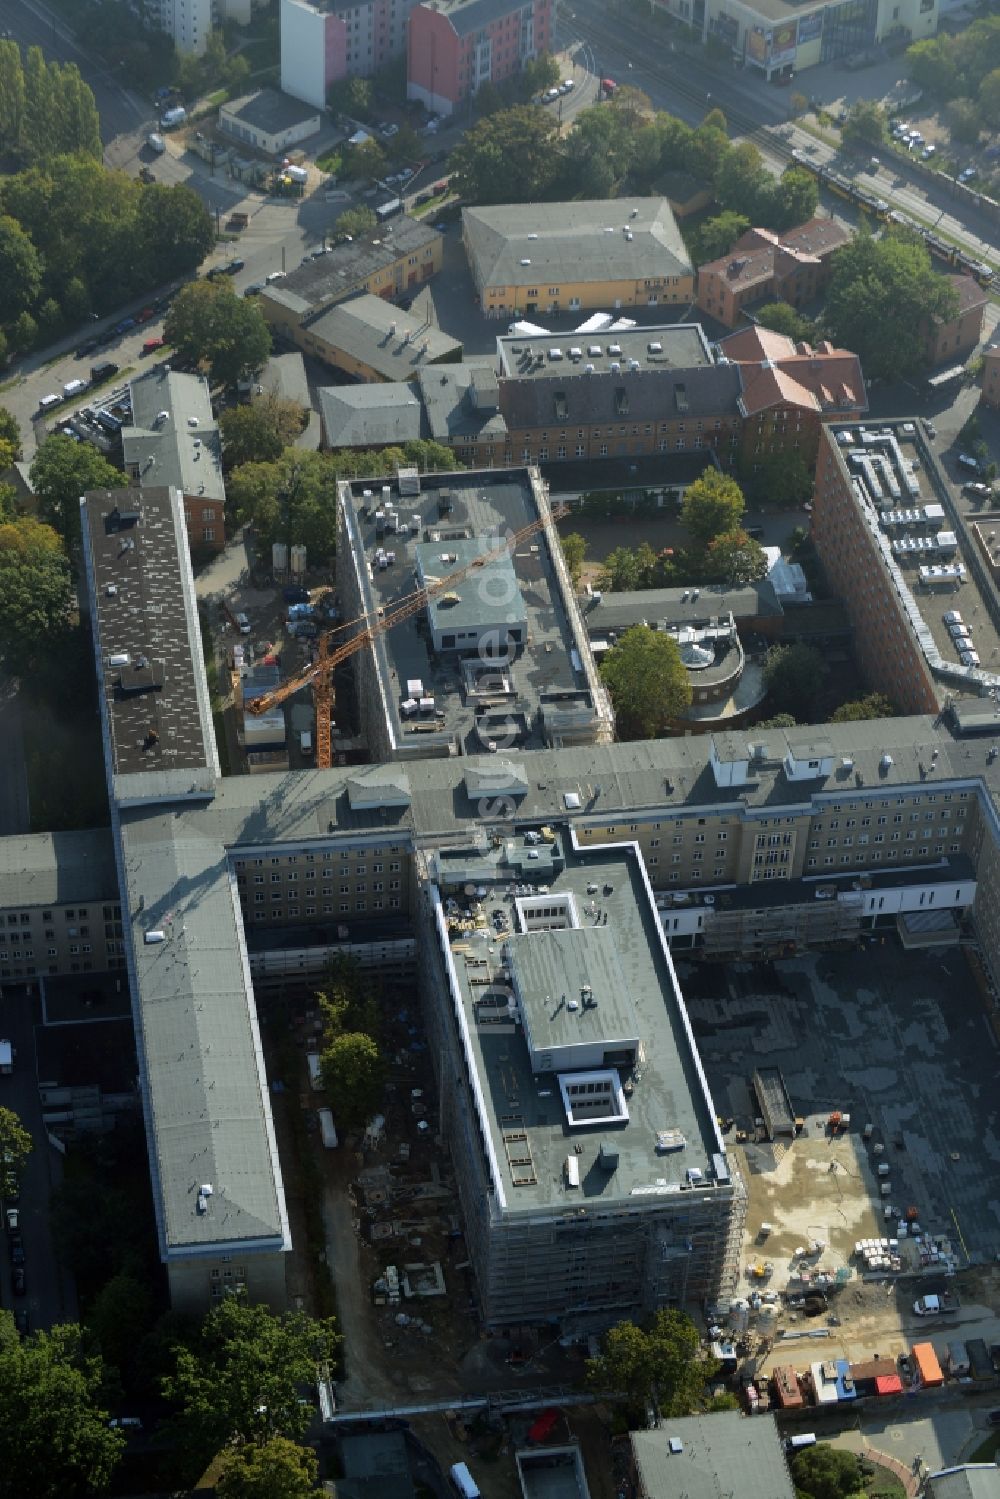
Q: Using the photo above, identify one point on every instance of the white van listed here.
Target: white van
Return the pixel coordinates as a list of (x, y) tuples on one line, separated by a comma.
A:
[(463, 1482), (804, 1439), (315, 1071), (74, 388), (47, 402), (328, 1130), (306, 743)]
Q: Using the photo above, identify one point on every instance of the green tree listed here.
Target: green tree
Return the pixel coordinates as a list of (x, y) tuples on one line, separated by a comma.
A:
[(405, 145), (15, 1141), (240, 1379), (574, 550), (538, 74), (260, 432), (208, 322), (11, 96), (354, 1077), (511, 157), (717, 236), (24, 333), (661, 1363), (872, 705), (626, 569), (964, 121), (780, 481), (54, 1437), (352, 97), (882, 294), (782, 317), (779, 721), (277, 1469), (61, 472), (365, 160), (742, 180), (713, 504), (39, 120), (291, 500), (647, 681), (931, 66), (120, 1317), (11, 450), (21, 278), (866, 127), (792, 200), (989, 98), (825, 1472), (35, 591), (794, 677), (735, 559), (173, 231), (79, 123), (356, 221)]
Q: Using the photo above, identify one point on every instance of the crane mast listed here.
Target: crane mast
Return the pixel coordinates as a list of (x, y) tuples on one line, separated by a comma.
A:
[(319, 673)]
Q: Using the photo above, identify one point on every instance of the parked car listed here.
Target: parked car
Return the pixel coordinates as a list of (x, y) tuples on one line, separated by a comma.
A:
[(979, 490), (295, 595), (233, 267), (254, 290), (966, 174), (243, 623), (21, 1321), (19, 1281), (87, 347), (966, 460), (994, 1418), (16, 1247)]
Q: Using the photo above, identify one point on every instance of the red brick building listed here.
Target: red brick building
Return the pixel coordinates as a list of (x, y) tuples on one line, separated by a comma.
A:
[(991, 377), (791, 267), (788, 390), (453, 49), (954, 341), (845, 535)]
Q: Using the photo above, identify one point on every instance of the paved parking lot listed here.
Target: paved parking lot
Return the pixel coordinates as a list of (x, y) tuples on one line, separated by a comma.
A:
[(890, 1037)]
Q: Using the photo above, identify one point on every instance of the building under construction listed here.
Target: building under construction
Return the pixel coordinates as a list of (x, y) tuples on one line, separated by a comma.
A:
[(594, 1179), (498, 658)]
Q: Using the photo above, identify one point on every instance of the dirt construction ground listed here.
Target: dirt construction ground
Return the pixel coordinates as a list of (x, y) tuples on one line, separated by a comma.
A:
[(898, 1041)]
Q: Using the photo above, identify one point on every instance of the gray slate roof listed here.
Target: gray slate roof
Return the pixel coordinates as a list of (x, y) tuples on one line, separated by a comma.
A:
[(336, 274), (369, 416), (724, 1453), (381, 336), (184, 455), (570, 242), (451, 411), (647, 396), (269, 110)]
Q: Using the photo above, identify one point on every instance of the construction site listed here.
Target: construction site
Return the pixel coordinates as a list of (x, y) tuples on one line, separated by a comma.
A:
[(856, 1091)]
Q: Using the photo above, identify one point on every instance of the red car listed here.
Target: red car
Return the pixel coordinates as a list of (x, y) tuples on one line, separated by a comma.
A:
[(145, 315), (151, 345)]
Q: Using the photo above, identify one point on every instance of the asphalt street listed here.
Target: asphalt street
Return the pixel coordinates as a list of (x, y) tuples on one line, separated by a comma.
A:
[(14, 812)]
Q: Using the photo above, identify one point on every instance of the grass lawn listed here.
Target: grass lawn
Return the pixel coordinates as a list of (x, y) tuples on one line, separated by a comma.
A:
[(419, 211)]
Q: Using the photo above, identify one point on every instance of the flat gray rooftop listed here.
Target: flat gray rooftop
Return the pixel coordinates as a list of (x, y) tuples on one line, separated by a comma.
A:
[(143, 613), (667, 1092), (717, 1455), (54, 869), (207, 1110), (680, 346), (477, 506), (551, 969)]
